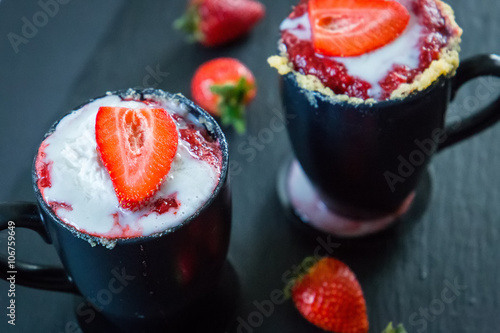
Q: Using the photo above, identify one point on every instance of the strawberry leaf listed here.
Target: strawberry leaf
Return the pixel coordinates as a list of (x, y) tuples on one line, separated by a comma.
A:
[(391, 329), (304, 267), (190, 23), (232, 103)]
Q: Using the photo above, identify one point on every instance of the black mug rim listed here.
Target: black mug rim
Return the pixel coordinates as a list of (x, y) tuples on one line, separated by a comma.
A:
[(412, 96), (216, 131)]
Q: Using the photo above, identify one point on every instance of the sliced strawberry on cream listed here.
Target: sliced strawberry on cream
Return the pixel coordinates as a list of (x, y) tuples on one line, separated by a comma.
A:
[(137, 147), (347, 28)]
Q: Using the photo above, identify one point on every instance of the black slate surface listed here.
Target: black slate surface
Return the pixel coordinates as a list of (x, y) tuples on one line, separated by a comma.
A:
[(89, 47)]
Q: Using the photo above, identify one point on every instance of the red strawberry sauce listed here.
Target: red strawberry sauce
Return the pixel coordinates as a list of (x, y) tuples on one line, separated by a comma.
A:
[(201, 144), (43, 169), (436, 35), (163, 205), (59, 205)]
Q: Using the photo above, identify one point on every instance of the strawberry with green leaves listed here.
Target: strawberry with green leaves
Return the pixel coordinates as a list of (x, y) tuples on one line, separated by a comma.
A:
[(347, 28), (216, 22), (330, 297), (137, 147), (223, 87)]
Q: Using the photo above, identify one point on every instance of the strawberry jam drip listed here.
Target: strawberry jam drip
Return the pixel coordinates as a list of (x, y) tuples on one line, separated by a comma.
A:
[(44, 175), (163, 205), (56, 205), (435, 35), (120, 231), (43, 169), (117, 231)]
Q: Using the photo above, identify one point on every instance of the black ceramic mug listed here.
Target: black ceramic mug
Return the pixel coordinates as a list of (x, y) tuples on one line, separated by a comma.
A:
[(365, 160), (142, 281)]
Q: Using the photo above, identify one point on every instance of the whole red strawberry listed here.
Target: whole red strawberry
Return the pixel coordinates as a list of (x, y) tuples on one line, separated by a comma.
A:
[(215, 22), (137, 147), (330, 297), (223, 87)]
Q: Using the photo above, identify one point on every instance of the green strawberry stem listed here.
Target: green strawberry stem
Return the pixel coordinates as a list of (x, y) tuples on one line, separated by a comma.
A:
[(232, 103), (190, 23), (391, 329)]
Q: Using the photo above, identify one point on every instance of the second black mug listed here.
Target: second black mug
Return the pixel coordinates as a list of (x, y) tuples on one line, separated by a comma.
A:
[(365, 160)]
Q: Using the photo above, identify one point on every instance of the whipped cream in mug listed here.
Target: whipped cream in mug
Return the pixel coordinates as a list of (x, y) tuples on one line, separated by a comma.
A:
[(78, 188)]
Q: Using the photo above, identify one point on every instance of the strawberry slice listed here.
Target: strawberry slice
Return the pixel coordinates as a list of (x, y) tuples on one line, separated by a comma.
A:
[(137, 147), (348, 28)]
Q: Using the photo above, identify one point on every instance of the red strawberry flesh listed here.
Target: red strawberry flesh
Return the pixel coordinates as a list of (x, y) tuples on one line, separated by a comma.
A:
[(137, 147), (226, 20), (216, 22), (220, 71), (223, 87), (349, 28), (330, 297)]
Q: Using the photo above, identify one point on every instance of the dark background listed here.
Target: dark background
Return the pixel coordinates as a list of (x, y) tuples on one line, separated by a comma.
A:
[(90, 47)]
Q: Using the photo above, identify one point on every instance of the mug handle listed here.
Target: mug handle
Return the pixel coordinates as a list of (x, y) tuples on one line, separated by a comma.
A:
[(481, 65), (26, 215)]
